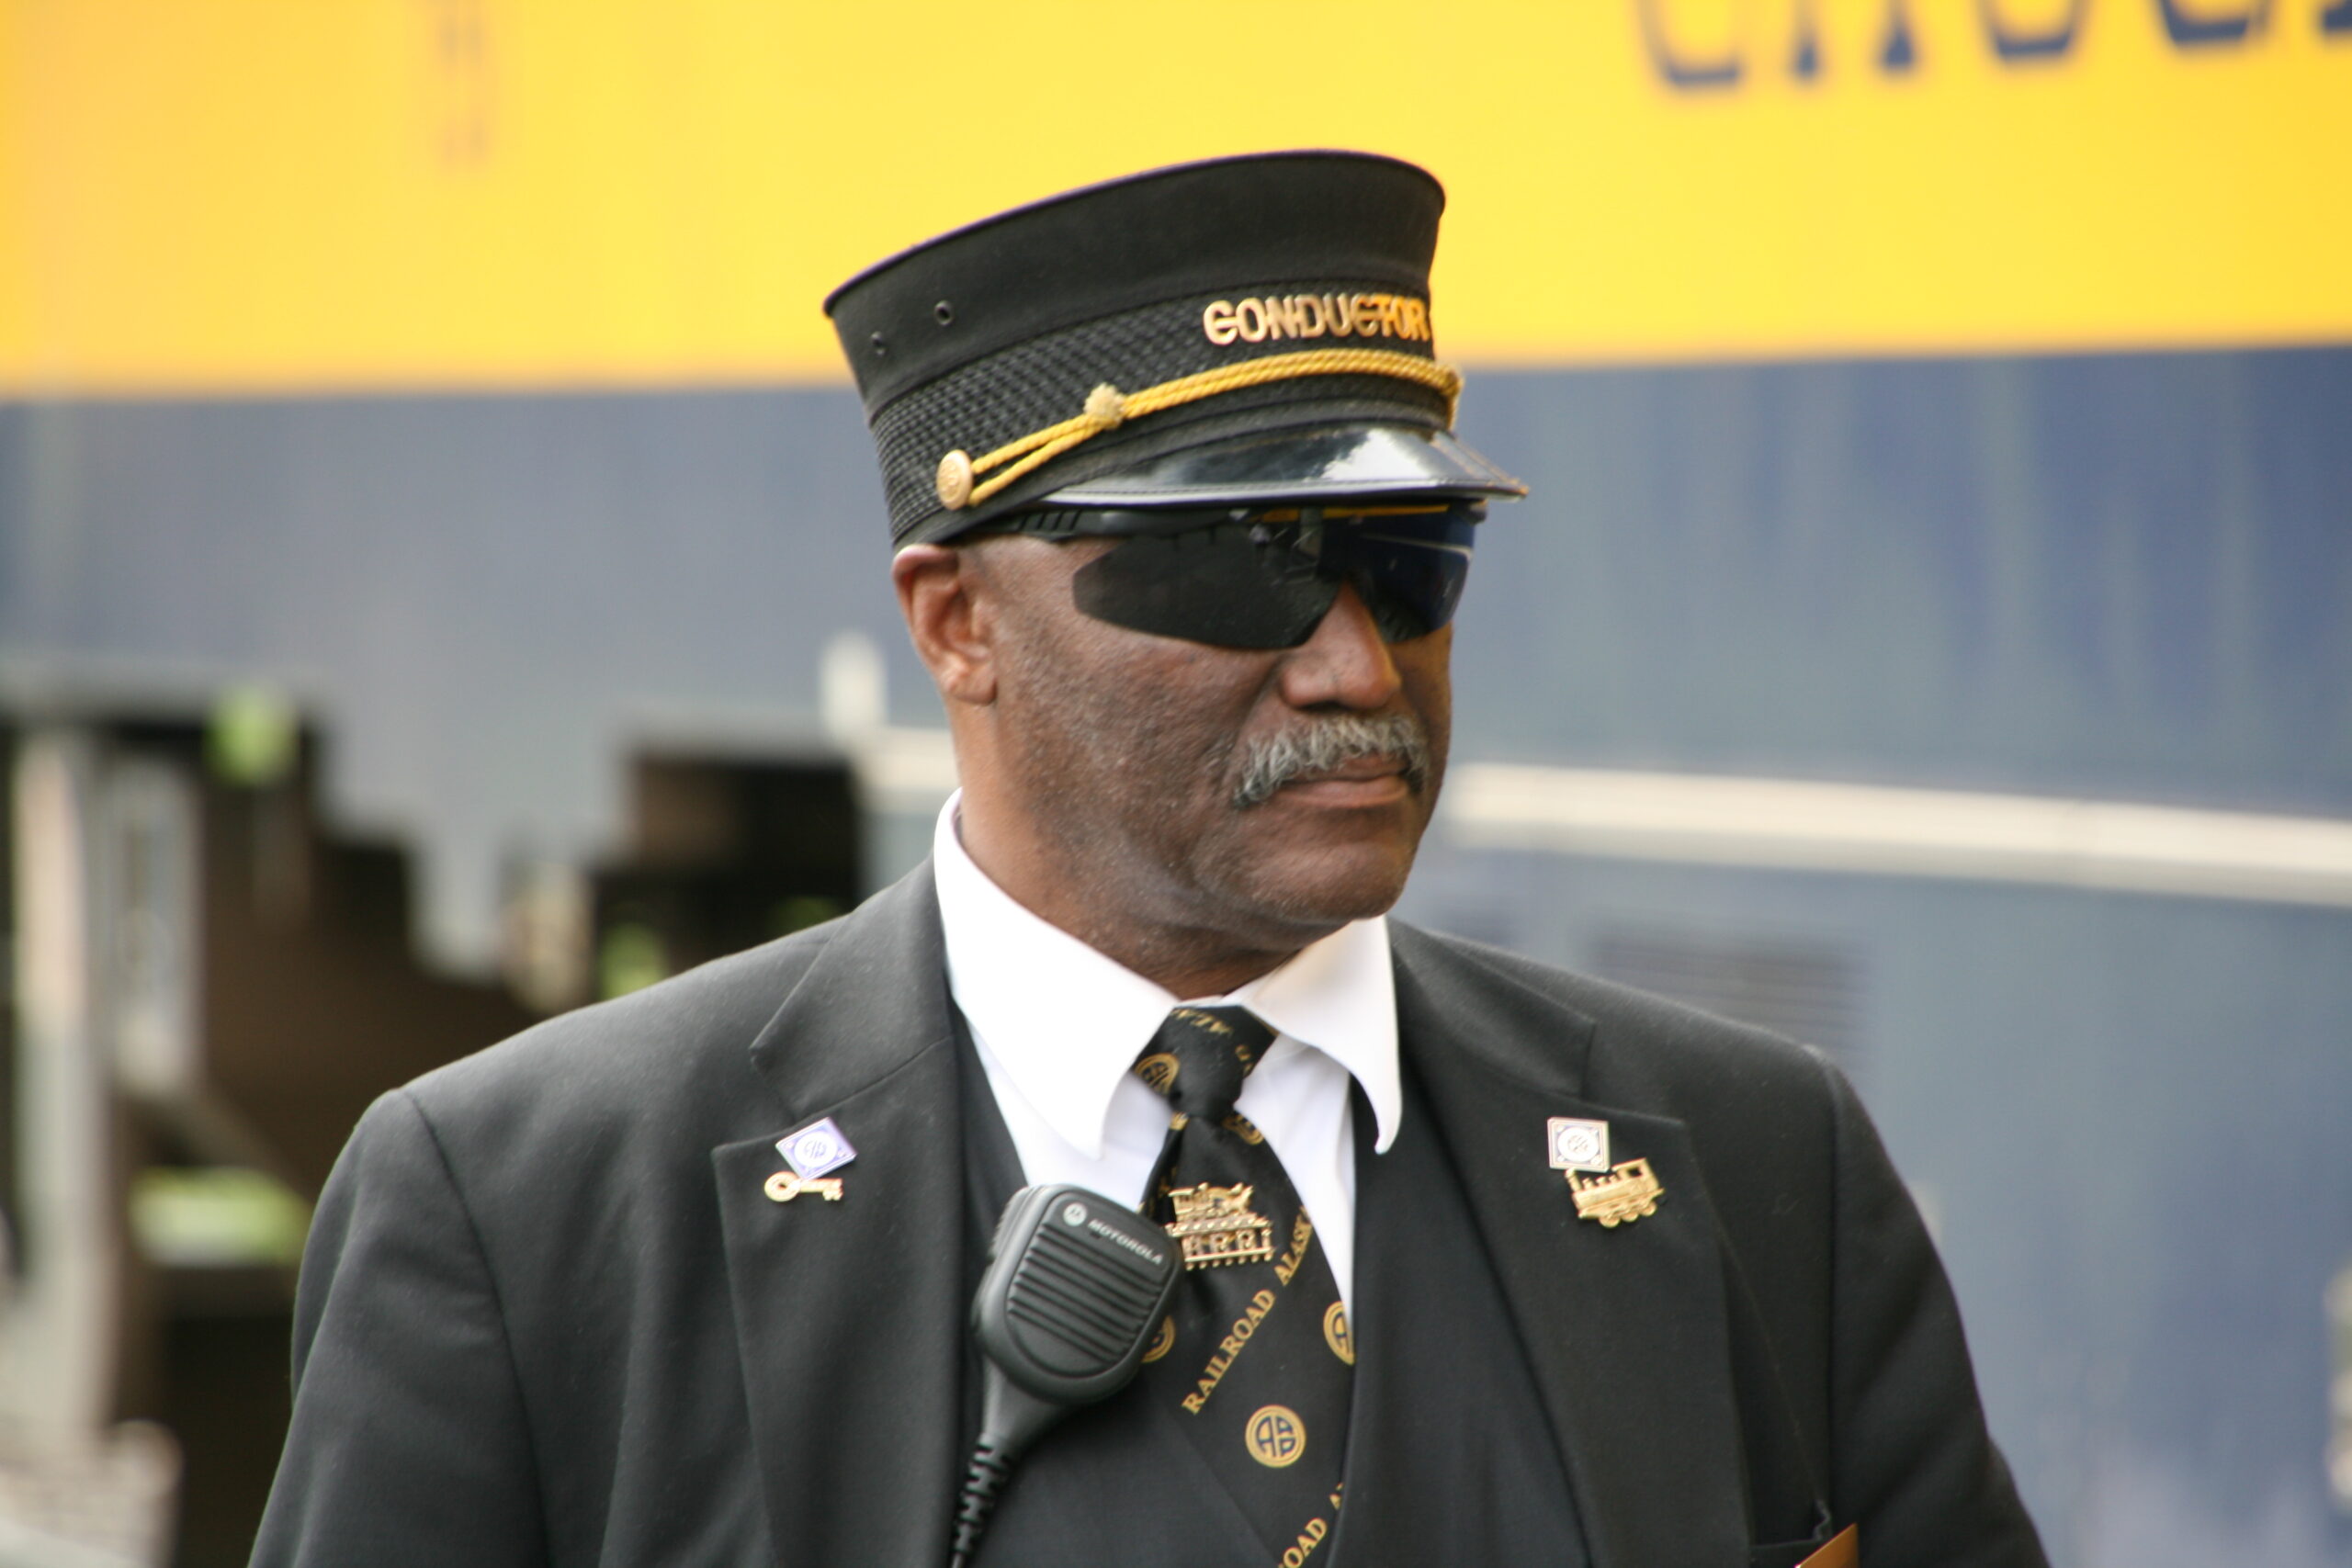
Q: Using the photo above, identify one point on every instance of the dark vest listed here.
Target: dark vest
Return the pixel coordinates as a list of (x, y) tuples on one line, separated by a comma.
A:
[(1450, 1458)]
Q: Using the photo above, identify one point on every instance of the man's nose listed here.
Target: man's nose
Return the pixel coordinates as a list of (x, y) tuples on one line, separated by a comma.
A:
[(1346, 661)]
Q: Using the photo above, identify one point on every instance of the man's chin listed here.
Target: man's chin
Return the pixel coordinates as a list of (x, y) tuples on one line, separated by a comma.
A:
[(1322, 888)]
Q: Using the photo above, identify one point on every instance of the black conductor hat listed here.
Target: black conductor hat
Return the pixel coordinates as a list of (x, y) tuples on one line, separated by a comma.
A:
[(1250, 329)]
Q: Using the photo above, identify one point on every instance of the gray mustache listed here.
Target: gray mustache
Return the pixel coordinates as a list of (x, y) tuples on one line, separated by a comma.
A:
[(1325, 743)]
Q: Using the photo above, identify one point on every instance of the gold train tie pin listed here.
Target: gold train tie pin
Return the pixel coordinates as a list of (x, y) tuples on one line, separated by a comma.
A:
[(1215, 1226)]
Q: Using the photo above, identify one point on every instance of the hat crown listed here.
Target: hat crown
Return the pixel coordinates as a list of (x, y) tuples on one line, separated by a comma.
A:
[(1219, 227)]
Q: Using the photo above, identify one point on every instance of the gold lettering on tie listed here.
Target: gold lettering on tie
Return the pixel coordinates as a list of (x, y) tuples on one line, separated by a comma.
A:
[(1308, 1540), (1335, 1334), (1158, 1070), (1275, 1435), (1227, 1348), (1302, 1231)]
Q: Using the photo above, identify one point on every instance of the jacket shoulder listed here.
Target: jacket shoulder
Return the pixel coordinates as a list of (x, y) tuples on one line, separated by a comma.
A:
[(672, 1054), (1642, 1044)]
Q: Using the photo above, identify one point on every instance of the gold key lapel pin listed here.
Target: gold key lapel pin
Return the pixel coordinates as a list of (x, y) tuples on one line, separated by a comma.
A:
[(787, 1185), (813, 1153), (1612, 1194)]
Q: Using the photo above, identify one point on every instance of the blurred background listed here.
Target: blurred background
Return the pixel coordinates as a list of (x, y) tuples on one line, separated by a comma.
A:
[(442, 581)]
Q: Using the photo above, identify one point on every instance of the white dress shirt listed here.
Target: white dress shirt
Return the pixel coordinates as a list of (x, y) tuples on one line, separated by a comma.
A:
[(1057, 1025)]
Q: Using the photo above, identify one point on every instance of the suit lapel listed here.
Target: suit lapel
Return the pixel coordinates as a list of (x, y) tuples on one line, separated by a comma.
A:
[(1626, 1328), (849, 1314)]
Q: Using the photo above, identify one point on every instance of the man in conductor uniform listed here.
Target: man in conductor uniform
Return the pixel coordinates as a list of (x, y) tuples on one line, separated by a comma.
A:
[(1486, 1262)]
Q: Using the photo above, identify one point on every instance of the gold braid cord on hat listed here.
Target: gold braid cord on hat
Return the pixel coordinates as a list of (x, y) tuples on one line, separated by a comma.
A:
[(1107, 408)]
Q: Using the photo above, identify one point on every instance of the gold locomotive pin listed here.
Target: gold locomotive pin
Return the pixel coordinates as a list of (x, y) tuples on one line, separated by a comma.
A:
[(1627, 1193)]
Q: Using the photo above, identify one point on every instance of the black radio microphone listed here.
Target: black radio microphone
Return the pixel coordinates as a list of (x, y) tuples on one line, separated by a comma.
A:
[(1074, 1287)]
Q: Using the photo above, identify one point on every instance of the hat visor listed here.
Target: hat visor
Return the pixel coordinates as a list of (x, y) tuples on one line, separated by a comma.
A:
[(1340, 461)]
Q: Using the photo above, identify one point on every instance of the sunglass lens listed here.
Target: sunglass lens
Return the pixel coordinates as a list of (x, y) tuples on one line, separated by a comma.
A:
[(1267, 581), (1231, 586), (1411, 587)]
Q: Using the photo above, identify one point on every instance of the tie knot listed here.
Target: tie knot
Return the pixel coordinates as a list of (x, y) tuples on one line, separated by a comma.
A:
[(1199, 1057)]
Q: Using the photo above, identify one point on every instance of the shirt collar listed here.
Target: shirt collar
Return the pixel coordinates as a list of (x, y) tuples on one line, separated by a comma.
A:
[(1066, 1023)]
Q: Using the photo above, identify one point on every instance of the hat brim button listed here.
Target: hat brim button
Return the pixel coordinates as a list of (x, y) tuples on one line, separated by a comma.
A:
[(955, 480)]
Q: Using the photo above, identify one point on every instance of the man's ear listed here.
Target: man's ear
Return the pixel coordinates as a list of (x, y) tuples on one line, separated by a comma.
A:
[(942, 592)]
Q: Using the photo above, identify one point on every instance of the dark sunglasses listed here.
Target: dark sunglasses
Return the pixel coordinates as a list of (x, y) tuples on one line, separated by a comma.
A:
[(1265, 577)]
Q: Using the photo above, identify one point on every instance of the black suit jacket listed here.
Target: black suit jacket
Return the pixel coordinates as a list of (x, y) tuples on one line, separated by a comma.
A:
[(548, 1315)]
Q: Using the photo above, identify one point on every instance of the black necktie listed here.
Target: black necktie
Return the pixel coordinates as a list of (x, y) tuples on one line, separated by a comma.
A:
[(1255, 1358)]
